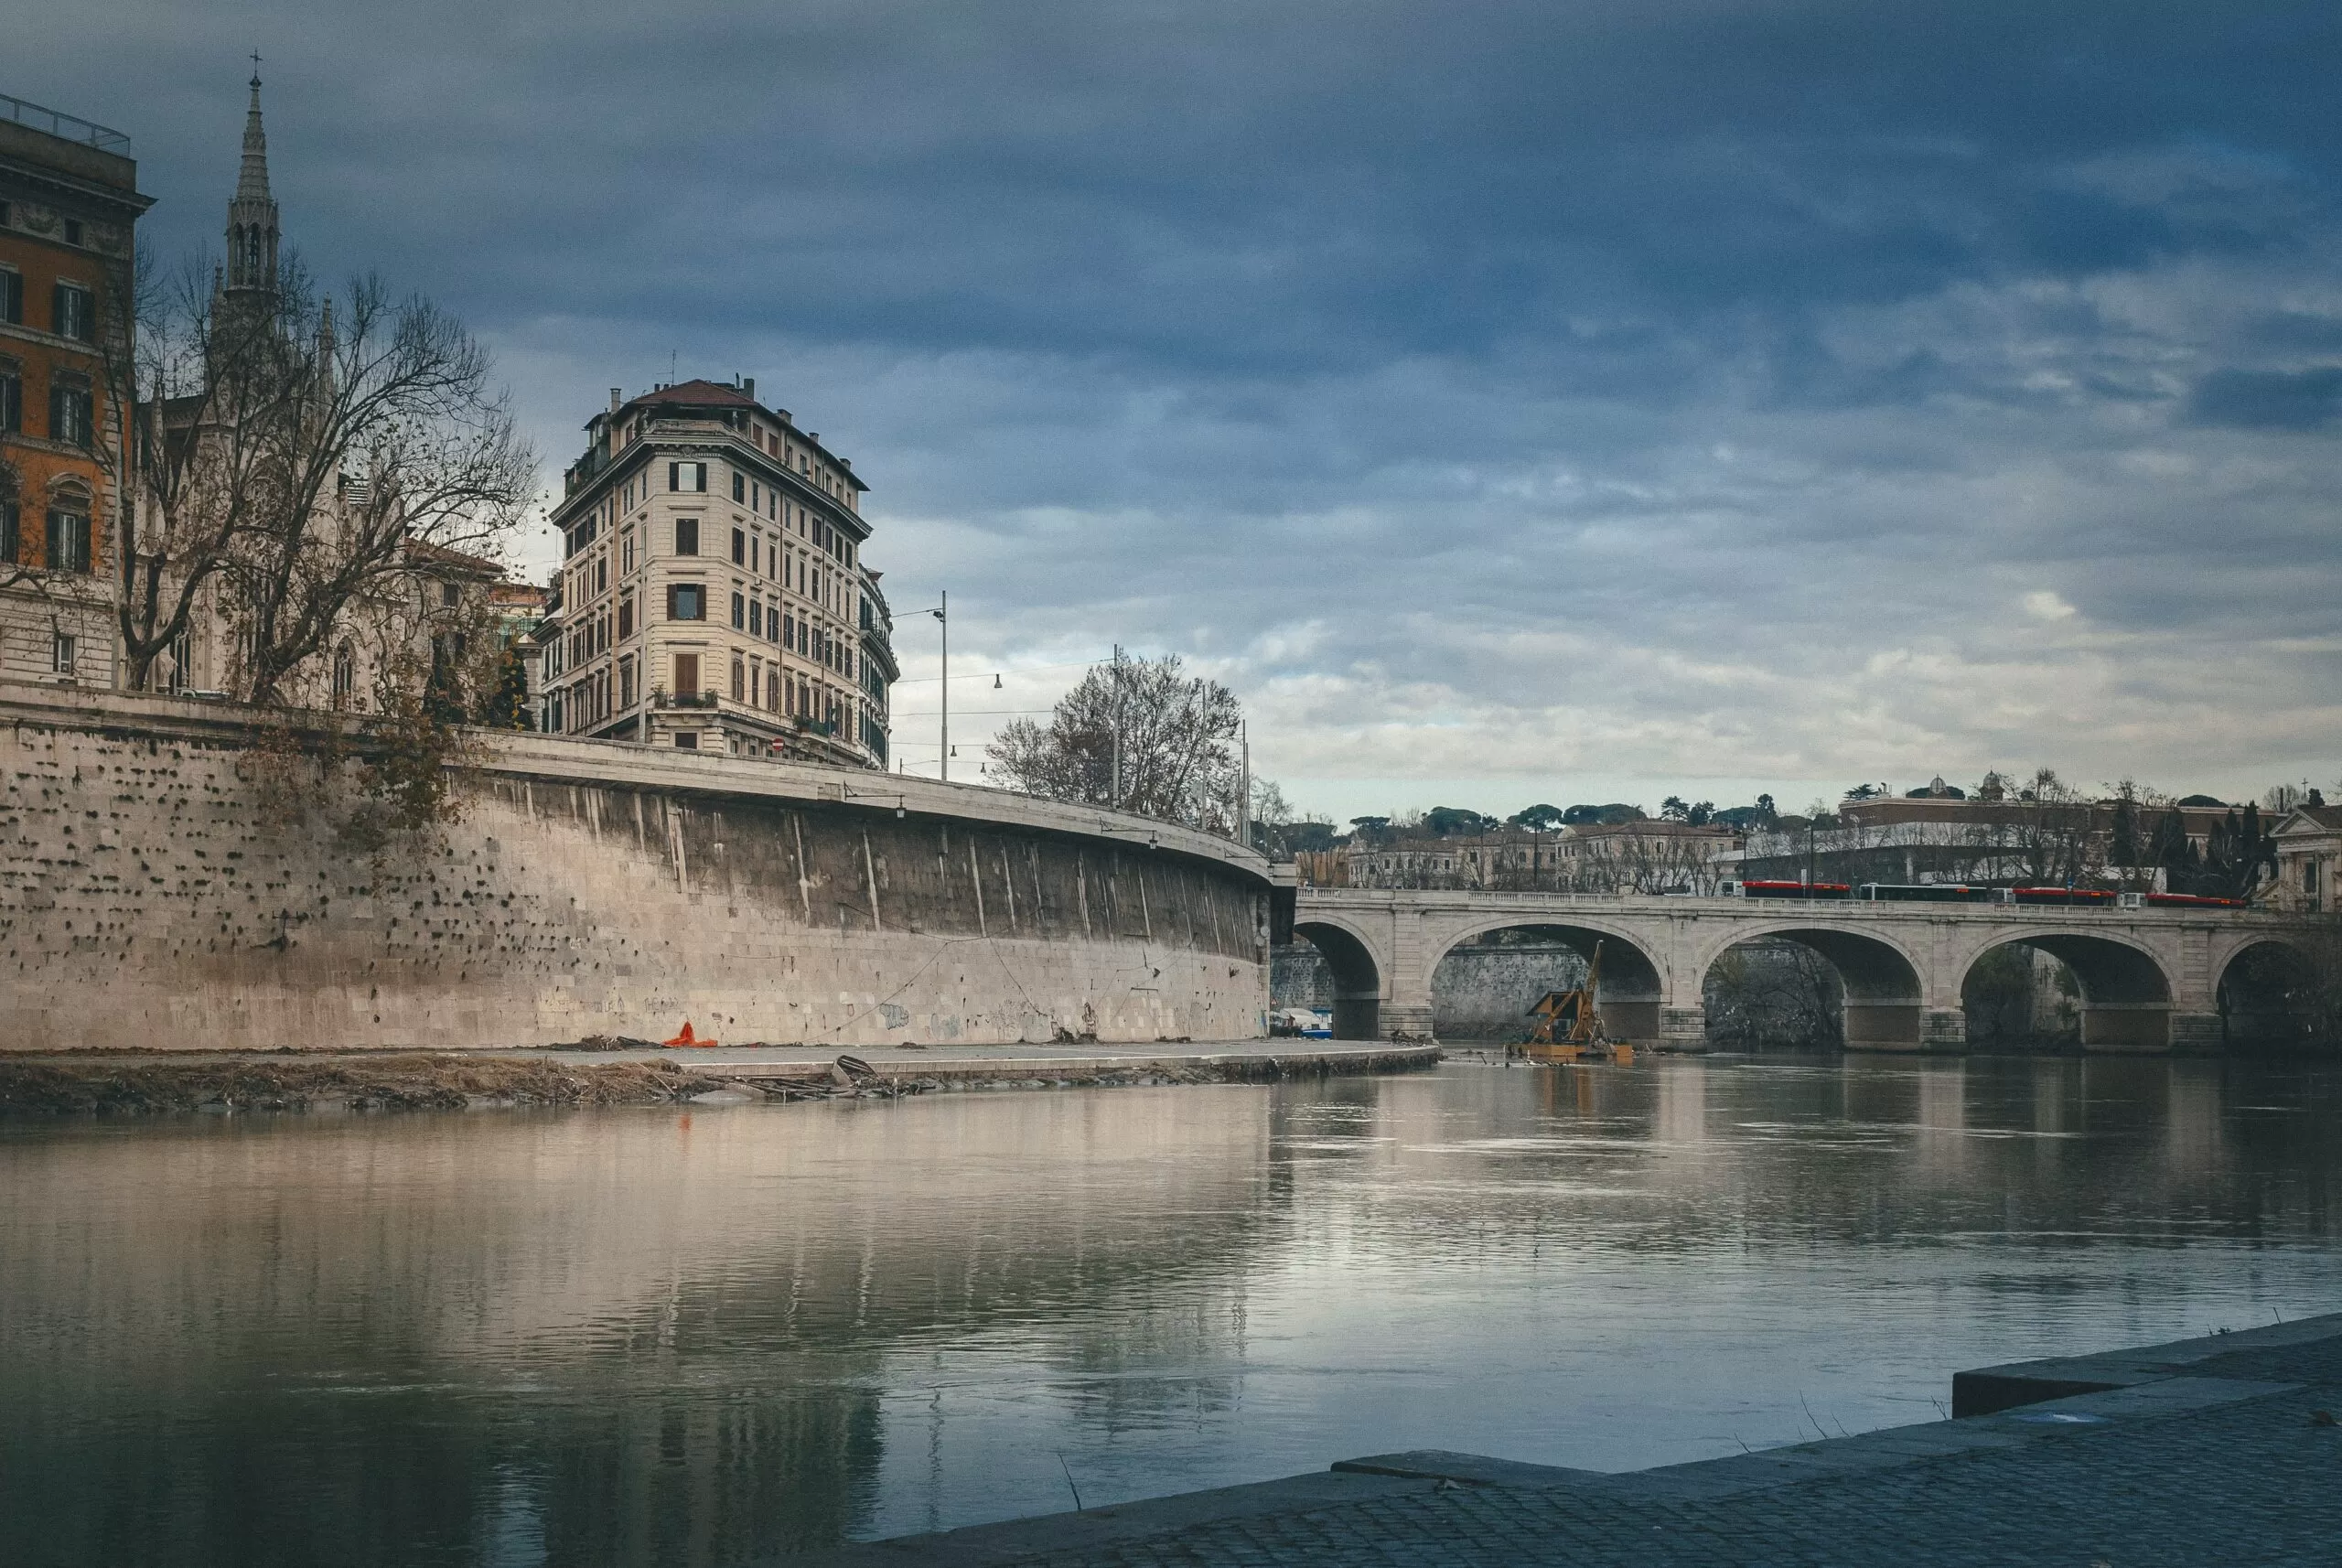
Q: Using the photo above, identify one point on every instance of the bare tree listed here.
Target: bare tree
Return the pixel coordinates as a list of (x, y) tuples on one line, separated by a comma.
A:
[(291, 463), (1136, 735)]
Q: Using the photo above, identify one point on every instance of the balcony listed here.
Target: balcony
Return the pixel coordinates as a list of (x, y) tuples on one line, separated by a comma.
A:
[(684, 699)]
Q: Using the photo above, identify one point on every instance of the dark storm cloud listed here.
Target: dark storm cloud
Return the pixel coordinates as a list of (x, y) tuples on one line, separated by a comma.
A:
[(2268, 400), (1660, 386)]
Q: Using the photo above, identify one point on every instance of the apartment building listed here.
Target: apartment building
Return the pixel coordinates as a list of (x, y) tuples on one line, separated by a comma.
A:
[(69, 206), (712, 595)]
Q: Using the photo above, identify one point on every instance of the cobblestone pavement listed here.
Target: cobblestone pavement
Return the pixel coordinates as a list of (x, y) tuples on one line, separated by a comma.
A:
[(2219, 1461)]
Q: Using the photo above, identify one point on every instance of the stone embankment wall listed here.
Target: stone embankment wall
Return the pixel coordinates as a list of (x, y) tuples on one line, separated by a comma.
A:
[(162, 885)]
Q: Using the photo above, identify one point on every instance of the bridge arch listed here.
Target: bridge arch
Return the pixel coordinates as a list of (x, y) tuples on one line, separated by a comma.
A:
[(1882, 978), (1360, 975), (2126, 991), (2267, 994), (1633, 986)]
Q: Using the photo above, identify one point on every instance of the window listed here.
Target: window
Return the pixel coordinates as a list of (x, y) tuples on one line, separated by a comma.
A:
[(739, 613), (739, 487), (450, 596), (739, 548), (72, 230), (772, 624), (626, 552), (60, 652), (687, 674), (687, 536), (74, 313), (12, 395), (687, 475), (2309, 877), (12, 296), (345, 675), (12, 542), (687, 742), (69, 412), (601, 575), (68, 541), (686, 601), (739, 680), (788, 632), (626, 618), (756, 618), (626, 682), (181, 672)]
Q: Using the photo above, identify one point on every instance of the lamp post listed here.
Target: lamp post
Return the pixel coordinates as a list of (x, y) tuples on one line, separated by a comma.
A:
[(942, 613)]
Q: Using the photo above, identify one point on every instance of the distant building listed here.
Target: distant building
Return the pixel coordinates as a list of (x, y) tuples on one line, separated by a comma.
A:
[(2309, 857), (69, 206), (1649, 855), (712, 595), (1998, 838)]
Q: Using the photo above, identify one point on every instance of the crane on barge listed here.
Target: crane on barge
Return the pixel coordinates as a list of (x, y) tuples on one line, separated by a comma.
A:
[(1569, 1024)]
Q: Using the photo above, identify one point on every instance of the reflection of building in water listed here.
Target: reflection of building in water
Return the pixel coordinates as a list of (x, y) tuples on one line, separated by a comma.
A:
[(1943, 1145), (644, 1337), (1682, 1103), (2193, 1139)]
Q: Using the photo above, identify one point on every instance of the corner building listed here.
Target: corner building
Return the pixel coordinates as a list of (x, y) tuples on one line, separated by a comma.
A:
[(70, 205), (711, 595)]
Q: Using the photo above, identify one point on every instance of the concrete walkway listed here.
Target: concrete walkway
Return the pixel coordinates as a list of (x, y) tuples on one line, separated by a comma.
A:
[(2206, 1451)]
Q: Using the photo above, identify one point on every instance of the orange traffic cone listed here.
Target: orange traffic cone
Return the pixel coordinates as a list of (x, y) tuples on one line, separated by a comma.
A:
[(687, 1037)]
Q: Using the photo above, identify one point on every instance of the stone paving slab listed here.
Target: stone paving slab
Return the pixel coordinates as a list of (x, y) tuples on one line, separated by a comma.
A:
[(2220, 1460)]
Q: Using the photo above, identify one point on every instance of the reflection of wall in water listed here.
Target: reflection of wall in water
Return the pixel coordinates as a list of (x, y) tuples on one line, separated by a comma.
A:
[(659, 1317)]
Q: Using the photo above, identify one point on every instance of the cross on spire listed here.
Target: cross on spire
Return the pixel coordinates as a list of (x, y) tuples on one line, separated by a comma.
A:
[(255, 68)]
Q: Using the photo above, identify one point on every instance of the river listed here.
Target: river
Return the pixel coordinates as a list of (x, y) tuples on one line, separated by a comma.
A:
[(515, 1337)]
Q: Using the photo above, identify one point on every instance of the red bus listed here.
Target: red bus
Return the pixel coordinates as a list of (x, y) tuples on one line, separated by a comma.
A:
[(2093, 898), (1796, 890)]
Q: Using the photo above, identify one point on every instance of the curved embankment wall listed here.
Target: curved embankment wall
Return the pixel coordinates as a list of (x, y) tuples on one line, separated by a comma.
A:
[(161, 887)]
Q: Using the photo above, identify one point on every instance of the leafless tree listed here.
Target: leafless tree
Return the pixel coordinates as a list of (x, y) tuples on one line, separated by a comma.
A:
[(1136, 735), (293, 462)]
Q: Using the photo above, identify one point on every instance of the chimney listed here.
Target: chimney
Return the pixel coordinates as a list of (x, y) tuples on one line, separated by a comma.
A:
[(614, 400), (749, 385)]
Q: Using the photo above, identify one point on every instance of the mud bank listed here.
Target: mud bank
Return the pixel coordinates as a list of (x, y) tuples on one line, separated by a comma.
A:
[(53, 1087)]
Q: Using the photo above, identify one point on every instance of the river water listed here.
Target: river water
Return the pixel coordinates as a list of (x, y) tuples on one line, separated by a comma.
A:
[(713, 1337)]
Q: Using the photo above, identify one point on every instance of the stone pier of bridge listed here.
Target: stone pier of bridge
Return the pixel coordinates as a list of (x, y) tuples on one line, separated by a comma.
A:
[(2149, 978)]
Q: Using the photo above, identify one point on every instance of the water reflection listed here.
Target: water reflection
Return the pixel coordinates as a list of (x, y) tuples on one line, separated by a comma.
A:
[(627, 1337)]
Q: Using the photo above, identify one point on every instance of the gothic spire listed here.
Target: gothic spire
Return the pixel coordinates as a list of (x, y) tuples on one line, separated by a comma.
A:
[(252, 212), (252, 182)]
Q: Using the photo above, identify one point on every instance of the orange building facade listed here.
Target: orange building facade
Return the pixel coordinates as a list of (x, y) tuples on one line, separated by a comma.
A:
[(69, 207)]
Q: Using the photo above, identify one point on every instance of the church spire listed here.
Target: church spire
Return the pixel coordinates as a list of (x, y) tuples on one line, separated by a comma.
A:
[(252, 183), (252, 212)]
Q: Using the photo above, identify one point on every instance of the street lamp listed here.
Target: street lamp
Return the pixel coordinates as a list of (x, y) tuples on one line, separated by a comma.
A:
[(942, 613)]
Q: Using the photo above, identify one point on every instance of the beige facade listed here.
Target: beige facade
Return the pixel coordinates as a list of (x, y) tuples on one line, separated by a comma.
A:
[(712, 595), (2309, 857)]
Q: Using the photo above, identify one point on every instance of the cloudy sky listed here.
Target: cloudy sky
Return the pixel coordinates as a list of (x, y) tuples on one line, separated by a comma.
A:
[(1581, 400)]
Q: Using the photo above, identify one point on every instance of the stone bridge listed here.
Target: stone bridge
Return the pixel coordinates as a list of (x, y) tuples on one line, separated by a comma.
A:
[(2149, 978)]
